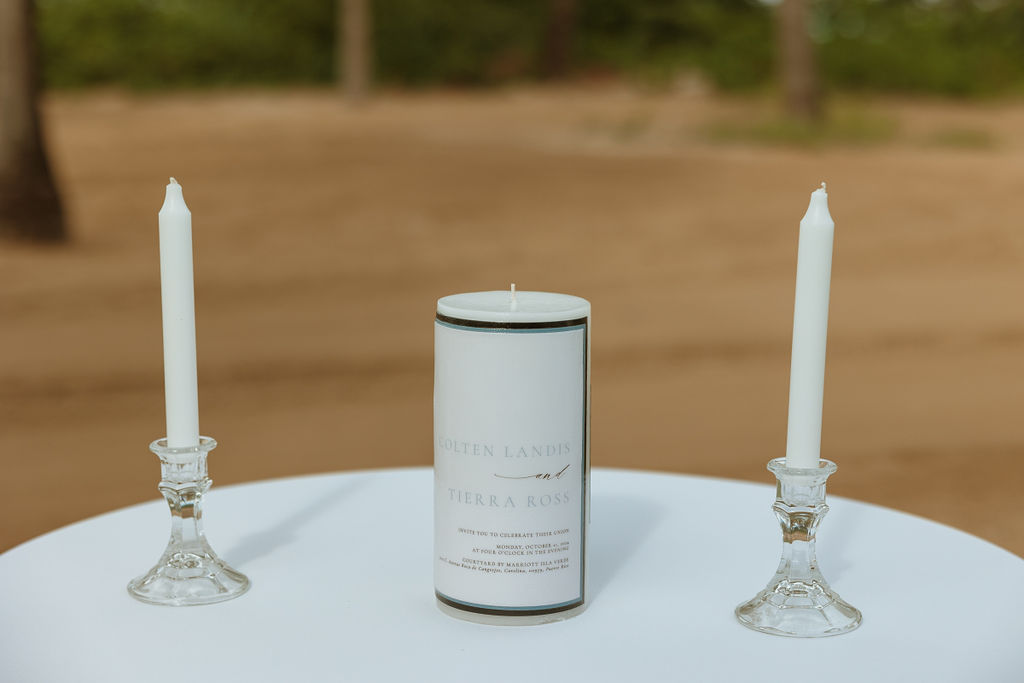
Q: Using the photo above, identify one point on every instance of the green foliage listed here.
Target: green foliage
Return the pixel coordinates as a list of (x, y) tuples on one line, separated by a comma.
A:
[(954, 47), (962, 138), (467, 42), (156, 43), (845, 126), (729, 40)]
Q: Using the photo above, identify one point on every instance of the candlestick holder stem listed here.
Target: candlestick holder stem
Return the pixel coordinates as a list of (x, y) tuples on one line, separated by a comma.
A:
[(798, 601), (189, 572)]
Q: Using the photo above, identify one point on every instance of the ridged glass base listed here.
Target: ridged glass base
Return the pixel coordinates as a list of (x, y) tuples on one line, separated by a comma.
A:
[(799, 609), (798, 602), (182, 578)]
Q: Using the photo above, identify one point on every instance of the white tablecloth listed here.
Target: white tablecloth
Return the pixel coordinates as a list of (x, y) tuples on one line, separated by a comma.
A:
[(342, 591)]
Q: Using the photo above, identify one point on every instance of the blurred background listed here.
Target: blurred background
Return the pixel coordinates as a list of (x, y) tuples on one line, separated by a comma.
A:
[(347, 162)]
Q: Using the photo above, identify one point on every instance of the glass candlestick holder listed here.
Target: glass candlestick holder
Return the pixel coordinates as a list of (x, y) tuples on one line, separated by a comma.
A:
[(189, 572), (798, 601)]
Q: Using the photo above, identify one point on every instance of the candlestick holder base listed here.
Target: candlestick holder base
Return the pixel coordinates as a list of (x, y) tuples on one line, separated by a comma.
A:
[(189, 572), (798, 602)]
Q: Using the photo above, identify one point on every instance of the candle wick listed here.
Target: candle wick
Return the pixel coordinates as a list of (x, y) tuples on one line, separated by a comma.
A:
[(173, 181), (512, 297), (823, 187)]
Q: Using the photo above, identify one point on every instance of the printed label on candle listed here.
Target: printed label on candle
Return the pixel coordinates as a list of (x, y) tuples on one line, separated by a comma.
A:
[(510, 465)]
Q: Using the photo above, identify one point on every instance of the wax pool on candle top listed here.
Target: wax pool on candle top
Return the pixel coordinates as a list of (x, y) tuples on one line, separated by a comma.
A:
[(810, 326), (513, 306), (179, 321)]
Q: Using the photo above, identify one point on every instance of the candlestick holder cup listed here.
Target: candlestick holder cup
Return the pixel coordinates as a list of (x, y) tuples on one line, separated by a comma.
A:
[(798, 601), (189, 572)]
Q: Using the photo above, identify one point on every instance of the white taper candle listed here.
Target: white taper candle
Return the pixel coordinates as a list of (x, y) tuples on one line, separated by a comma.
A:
[(810, 326), (179, 320)]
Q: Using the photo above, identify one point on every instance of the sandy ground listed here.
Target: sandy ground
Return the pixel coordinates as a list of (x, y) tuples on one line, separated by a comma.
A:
[(324, 235)]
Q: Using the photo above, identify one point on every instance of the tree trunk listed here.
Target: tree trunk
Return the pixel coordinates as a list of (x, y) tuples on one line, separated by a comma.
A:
[(29, 204), (354, 48), (561, 27), (797, 64)]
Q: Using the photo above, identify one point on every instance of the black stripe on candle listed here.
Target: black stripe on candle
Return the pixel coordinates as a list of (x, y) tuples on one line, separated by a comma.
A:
[(509, 325), (508, 612)]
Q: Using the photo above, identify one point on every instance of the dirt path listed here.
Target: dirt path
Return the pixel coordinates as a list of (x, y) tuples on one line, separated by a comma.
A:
[(324, 235)]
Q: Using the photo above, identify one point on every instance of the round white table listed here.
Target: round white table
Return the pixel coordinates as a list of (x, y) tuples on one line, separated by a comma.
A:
[(342, 591)]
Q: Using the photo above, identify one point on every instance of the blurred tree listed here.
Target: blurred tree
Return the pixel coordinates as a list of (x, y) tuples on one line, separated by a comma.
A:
[(354, 48), (796, 61), (30, 207), (561, 27)]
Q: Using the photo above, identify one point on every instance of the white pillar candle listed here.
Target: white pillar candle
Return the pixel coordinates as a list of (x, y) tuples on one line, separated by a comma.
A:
[(179, 320), (810, 325), (511, 454)]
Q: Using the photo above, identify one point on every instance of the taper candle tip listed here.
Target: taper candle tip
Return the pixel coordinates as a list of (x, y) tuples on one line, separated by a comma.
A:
[(173, 199)]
